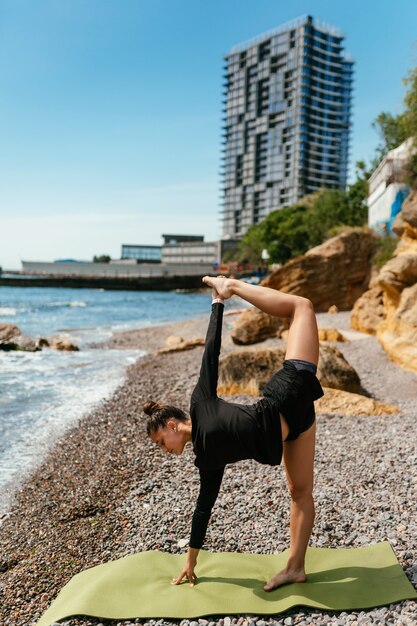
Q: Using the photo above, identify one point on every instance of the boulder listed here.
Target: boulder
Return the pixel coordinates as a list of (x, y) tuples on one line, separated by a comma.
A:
[(334, 370), (330, 334), (173, 340), (368, 311), (182, 345), (335, 273), (247, 371), (12, 338), (62, 343), (253, 326), (42, 342), (8, 332), (333, 309), (337, 402)]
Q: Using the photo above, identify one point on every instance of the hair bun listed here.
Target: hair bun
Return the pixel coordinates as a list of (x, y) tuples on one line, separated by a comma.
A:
[(151, 407)]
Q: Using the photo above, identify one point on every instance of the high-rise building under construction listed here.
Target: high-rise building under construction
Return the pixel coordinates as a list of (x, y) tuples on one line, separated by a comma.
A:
[(286, 120)]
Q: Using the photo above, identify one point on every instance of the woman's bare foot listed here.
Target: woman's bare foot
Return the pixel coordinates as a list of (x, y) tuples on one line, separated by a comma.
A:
[(221, 284), (284, 577)]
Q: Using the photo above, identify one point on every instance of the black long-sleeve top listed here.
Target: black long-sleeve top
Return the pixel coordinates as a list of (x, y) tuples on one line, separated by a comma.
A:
[(225, 432)]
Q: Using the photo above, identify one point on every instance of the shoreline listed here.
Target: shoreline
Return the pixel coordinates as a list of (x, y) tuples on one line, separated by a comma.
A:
[(103, 490)]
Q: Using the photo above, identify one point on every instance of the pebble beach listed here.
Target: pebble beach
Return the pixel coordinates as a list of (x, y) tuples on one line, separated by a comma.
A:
[(105, 491)]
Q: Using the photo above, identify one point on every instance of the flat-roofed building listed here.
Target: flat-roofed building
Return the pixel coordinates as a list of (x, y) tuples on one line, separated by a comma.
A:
[(142, 253), (172, 239), (287, 112), (197, 252)]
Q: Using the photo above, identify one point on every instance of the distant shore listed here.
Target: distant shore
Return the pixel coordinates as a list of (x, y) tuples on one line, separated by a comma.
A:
[(148, 283), (105, 491)]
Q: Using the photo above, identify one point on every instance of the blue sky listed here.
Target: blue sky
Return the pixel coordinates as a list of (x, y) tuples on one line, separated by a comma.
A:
[(110, 111)]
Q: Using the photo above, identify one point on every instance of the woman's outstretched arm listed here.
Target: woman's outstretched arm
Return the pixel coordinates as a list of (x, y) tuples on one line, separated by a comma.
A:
[(207, 383), (210, 482)]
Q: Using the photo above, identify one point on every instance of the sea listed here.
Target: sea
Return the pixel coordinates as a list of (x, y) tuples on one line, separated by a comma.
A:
[(42, 394)]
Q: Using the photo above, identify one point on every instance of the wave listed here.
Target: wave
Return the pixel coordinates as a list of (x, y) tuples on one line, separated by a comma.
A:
[(61, 389), (78, 304), (7, 311), (62, 304)]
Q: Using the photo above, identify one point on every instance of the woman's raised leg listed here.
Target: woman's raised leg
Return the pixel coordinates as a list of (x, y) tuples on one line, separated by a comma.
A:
[(303, 341)]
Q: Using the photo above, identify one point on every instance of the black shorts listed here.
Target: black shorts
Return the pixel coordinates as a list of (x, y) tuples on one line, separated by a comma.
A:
[(293, 389)]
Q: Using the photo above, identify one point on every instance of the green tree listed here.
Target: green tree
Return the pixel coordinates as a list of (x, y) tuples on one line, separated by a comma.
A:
[(392, 130), (410, 101), (102, 258), (357, 194), (249, 250), (330, 209), (286, 233), (410, 120)]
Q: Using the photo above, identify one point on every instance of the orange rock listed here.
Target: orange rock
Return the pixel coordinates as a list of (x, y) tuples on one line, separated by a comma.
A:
[(330, 334), (253, 326), (182, 345), (335, 273), (368, 311), (338, 402)]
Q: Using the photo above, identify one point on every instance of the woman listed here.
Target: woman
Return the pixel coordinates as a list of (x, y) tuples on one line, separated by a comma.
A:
[(280, 423)]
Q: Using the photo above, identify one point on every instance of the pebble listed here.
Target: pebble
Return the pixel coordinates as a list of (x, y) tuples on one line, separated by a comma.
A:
[(359, 498)]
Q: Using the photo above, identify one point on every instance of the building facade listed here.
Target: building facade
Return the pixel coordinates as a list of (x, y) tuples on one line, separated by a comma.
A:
[(287, 114), (141, 253), (196, 252), (387, 189)]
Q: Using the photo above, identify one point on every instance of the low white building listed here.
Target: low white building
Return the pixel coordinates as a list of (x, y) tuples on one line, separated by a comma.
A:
[(387, 191)]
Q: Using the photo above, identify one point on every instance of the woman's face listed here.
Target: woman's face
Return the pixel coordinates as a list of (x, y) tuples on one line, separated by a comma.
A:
[(169, 439)]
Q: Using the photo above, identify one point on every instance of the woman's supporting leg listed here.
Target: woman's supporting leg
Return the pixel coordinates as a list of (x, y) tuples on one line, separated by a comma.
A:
[(299, 461), (303, 342)]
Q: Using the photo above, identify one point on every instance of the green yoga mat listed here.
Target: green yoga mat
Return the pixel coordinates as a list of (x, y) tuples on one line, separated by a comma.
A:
[(139, 585)]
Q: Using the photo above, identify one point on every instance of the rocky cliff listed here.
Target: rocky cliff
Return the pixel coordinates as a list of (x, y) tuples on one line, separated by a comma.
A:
[(389, 308)]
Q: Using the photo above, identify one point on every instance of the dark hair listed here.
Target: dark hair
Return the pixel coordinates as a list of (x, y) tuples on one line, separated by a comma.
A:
[(159, 414)]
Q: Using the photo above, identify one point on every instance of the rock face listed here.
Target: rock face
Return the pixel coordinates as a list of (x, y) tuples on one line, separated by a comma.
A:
[(247, 371), (395, 320), (12, 338), (253, 326), (337, 402), (397, 333), (335, 273), (368, 311)]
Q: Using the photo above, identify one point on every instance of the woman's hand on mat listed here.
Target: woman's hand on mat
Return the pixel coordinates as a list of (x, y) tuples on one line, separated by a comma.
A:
[(188, 570)]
